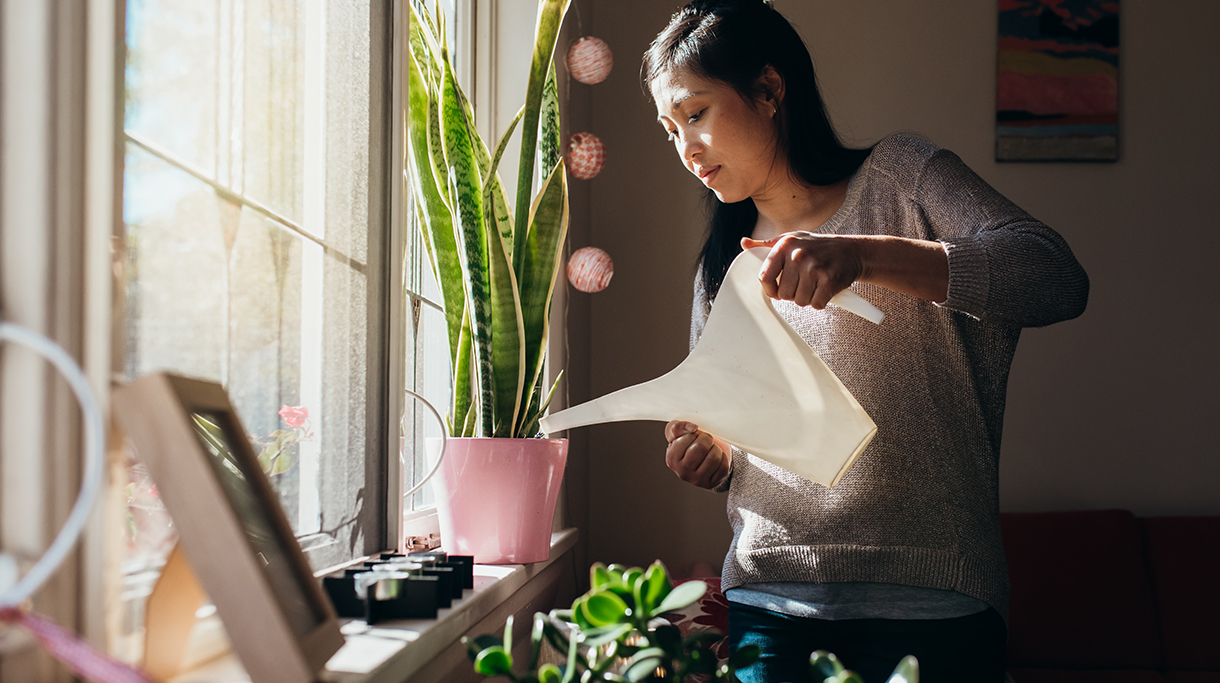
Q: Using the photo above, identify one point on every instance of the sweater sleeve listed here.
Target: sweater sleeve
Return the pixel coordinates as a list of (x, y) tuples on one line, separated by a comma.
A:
[(1004, 265)]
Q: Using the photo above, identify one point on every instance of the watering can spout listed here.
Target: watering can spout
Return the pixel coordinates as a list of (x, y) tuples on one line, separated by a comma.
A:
[(582, 415), (647, 401)]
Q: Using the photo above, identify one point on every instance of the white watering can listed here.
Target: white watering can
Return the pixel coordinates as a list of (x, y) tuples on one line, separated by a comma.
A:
[(752, 381)]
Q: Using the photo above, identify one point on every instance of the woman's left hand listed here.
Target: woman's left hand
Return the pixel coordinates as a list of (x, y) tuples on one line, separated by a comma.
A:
[(807, 268)]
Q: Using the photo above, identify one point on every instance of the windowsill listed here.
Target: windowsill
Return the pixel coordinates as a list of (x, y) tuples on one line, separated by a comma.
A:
[(397, 650)]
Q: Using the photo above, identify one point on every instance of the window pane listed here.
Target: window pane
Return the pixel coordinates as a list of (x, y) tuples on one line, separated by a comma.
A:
[(271, 85), (220, 292), (430, 372), (173, 83)]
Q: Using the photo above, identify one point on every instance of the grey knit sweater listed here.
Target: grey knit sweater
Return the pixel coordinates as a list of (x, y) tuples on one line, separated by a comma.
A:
[(920, 506)]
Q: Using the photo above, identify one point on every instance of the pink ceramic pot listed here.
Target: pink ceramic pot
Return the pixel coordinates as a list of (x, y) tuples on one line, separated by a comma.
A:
[(495, 498)]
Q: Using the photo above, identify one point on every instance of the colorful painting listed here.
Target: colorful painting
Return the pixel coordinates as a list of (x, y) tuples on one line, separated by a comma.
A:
[(1057, 81)]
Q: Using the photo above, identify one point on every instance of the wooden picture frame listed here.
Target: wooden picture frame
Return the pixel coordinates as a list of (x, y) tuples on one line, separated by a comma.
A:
[(231, 525)]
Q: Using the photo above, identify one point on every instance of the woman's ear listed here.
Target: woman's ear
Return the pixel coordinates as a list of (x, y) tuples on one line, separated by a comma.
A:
[(771, 86)]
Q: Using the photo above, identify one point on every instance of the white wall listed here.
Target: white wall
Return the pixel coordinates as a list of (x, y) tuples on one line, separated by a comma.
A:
[(1114, 409)]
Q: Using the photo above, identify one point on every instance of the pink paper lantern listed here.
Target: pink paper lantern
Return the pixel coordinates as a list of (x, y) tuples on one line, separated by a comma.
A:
[(590, 60), (586, 155), (590, 269)]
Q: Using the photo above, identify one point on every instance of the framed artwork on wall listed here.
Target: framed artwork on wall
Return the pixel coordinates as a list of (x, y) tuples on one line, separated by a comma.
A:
[(231, 527), (1057, 80)]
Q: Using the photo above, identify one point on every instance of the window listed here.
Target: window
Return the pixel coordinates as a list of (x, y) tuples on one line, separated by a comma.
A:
[(260, 250)]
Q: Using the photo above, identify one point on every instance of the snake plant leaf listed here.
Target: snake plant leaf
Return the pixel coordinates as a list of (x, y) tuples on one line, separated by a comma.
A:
[(442, 35), (463, 416), (531, 410), (468, 426), (549, 140), (436, 150), (507, 333), (422, 43), (470, 230), (531, 421), (491, 181), (436, 221), (421, 219), (538, 267), (427, 55), (427, 18), (476, 279), (546, 33), (493, 189)]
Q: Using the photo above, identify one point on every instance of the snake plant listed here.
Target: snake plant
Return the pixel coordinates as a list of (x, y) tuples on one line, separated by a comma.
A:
[(496, 268)]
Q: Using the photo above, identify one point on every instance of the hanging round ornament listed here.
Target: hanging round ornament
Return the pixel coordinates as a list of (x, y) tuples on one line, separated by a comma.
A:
[(586, 155), (590, 60), (590, 269)]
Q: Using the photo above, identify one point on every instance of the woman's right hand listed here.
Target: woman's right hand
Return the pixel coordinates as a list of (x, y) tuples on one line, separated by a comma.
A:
[(696, 457)]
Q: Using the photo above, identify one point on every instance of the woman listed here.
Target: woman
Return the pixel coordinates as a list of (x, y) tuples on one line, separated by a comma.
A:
[(904, 556)]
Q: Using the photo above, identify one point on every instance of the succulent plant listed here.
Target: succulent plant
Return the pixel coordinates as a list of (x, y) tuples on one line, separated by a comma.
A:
[(613, 633)]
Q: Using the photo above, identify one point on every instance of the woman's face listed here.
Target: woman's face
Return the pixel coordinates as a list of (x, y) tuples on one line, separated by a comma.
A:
[(727, 143)]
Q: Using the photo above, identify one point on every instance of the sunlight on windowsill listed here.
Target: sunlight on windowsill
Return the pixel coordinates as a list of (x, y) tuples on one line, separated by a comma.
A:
[(397, 650)]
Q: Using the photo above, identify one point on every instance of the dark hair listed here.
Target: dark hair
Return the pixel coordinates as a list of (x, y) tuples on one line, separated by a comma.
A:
[(734, 41)]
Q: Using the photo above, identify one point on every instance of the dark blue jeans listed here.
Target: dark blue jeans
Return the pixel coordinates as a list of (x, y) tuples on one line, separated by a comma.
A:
[(969, 649)]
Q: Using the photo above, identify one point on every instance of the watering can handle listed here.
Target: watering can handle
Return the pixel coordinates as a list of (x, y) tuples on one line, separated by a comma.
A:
[(444, 443), (850, 301)]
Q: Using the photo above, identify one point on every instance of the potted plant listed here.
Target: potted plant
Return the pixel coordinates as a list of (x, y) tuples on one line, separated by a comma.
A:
[(496, 268), (617, 632)]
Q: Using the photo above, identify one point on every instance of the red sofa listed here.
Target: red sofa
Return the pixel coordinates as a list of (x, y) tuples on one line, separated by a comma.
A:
[(1102, 596)]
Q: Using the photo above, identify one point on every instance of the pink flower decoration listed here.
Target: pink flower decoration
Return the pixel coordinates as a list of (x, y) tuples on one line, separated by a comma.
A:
[(586, 155), (294, 416), (590, 269), (590, 60)]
